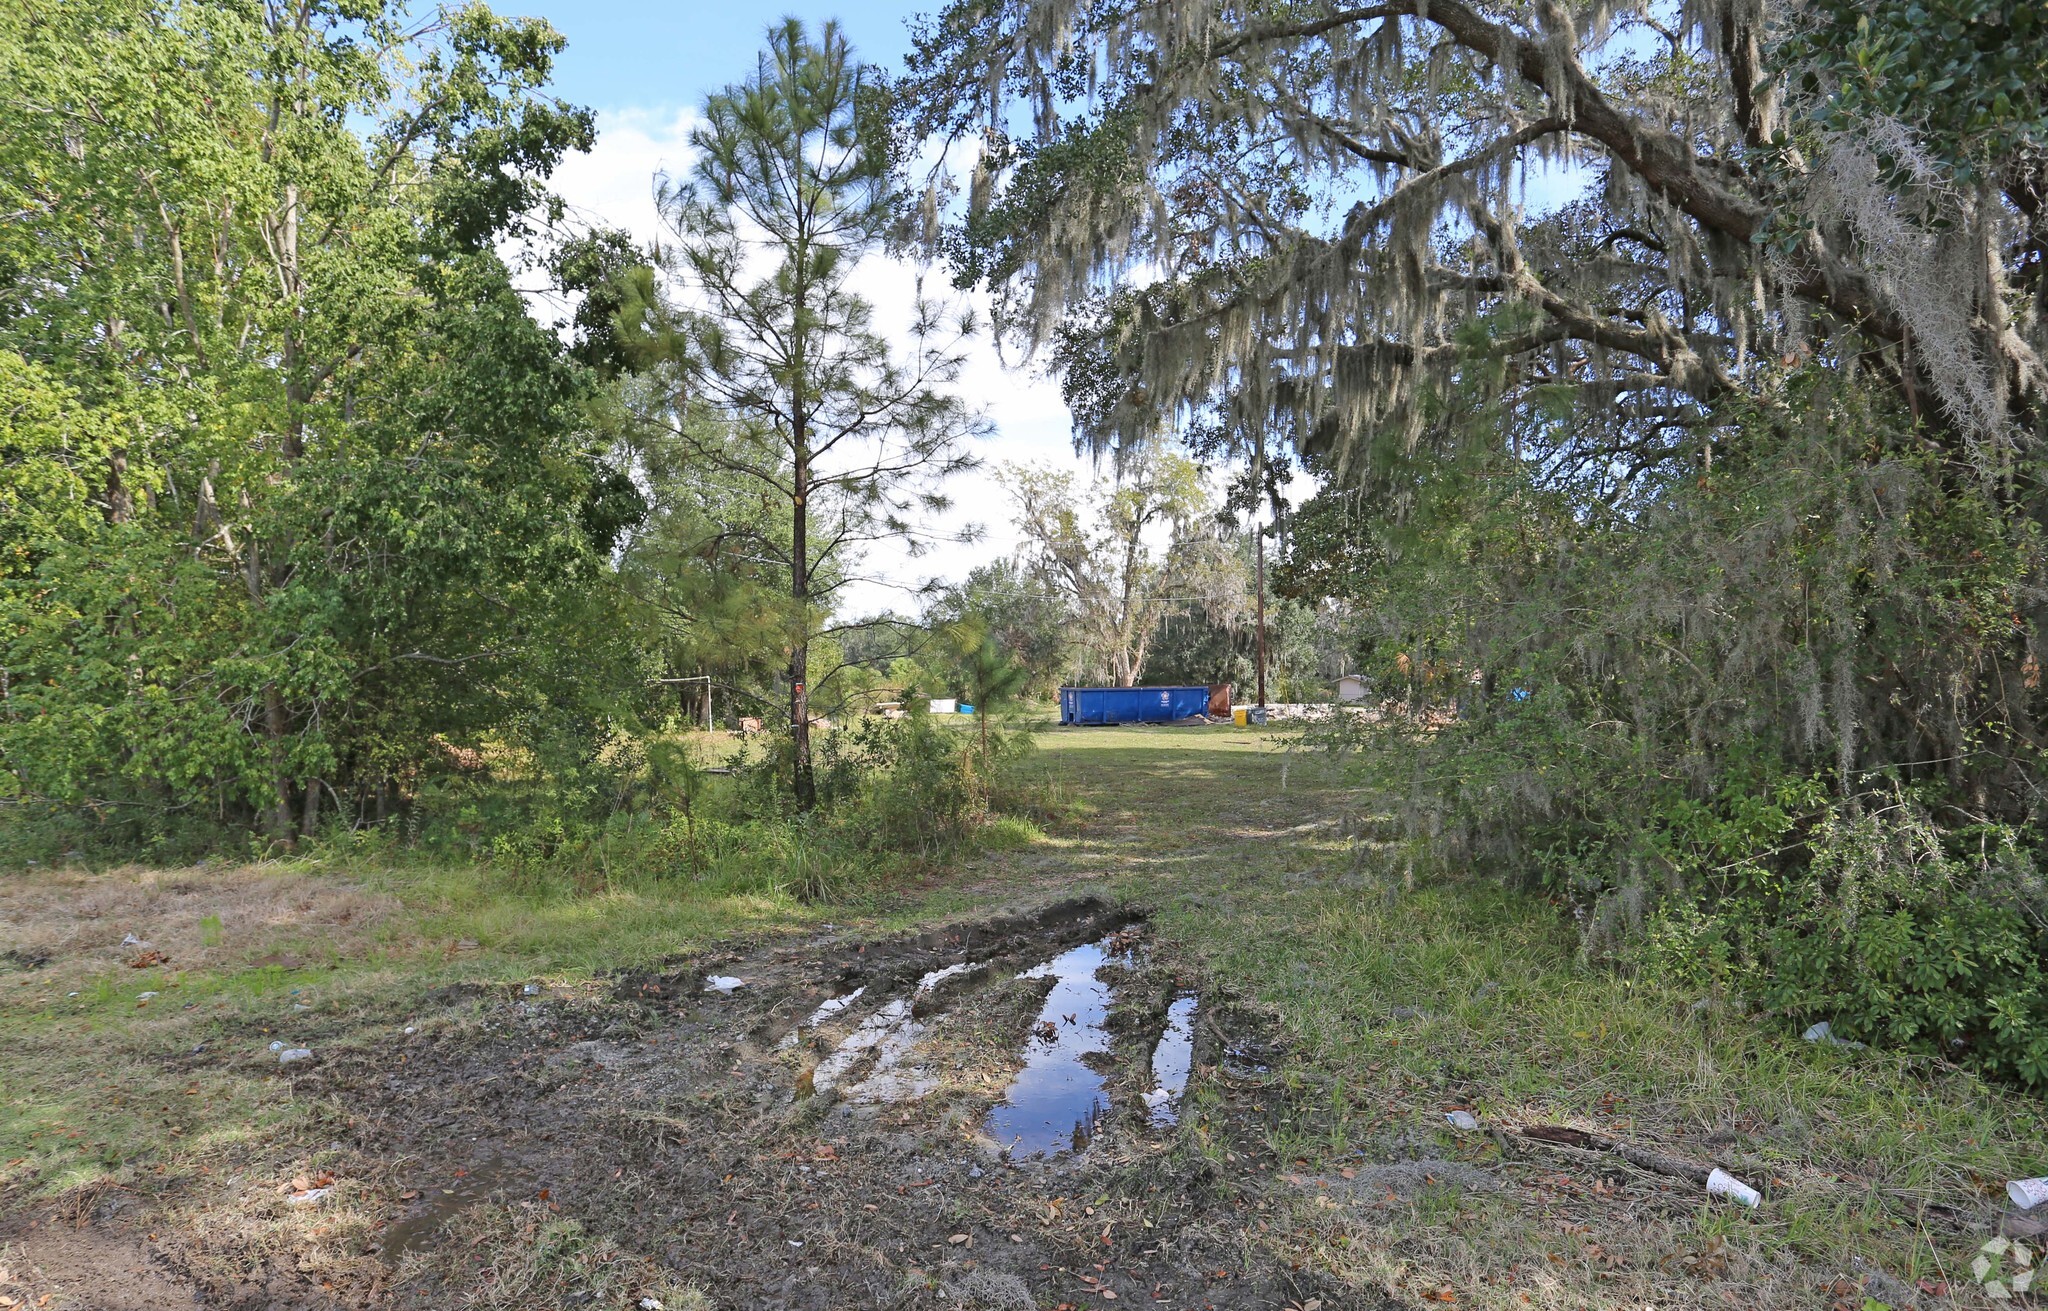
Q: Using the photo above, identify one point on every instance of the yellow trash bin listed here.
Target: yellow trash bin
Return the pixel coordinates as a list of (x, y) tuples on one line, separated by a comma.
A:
[(1241, 716)]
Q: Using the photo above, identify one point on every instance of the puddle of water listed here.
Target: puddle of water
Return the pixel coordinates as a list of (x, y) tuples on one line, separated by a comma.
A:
[(937, 977), (1172, 1059), (826, 1010), (1246, 1060), (424, 1217), (888, 1081), (829, 1008), (1055, 1101), (930, 993), (886, 1034)]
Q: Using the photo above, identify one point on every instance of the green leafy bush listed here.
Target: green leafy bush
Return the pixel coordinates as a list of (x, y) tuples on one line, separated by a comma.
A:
[(894, 796), (1752, 731)]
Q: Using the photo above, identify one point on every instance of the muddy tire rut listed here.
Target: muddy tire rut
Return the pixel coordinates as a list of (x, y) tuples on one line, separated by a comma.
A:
[(991, 1114), (983, 1115)]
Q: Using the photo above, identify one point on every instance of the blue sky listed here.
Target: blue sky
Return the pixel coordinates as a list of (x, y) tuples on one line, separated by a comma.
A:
[(641, 55)]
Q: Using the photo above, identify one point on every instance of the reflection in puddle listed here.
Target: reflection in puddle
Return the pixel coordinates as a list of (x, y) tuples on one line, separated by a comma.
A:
[(1171, 1061), (887, 1035), (937, 977), (423, 1218), (1055, 1100), (826, 1010), (1246, 1060)]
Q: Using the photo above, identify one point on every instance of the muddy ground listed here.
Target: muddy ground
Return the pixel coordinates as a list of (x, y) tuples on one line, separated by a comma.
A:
[(987, 1114), (1024, 1101)]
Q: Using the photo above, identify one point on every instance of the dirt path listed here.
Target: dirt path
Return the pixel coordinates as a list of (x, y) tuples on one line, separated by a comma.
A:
[(983, 1112), (1197, 1050)]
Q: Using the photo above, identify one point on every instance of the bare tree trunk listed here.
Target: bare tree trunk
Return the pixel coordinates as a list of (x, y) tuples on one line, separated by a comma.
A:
[(274, 729), (1259, 539), (1259, 546), (120, 501), (275, 721), (311, 823), (802, 781)]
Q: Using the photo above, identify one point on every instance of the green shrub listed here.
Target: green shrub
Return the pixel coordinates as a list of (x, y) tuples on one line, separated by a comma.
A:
[(1883, 925)]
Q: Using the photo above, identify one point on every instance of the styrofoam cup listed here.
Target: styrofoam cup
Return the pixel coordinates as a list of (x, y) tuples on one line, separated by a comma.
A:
[(1722, 1184)]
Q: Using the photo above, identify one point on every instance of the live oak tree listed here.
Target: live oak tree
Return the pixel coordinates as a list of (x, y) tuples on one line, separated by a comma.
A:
[(1674, 374), (1320, 196), (757, 320), (1313, 223)]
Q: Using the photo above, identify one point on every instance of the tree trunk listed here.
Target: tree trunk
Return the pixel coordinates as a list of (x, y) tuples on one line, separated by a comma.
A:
[(120, 500), (311, 823), (802, 782), (275, 721), (274, 729), (1259, 540)]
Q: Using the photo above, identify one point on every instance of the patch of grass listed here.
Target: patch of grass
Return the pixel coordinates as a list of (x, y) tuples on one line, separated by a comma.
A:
[(1400, 1002), (1396, 1000), (509, 1258), (99, 1085)]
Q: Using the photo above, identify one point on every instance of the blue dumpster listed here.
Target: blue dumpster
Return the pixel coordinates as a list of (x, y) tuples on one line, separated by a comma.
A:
[(1132, 705)]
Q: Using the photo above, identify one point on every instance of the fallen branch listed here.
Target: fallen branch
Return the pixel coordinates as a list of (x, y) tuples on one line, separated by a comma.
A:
[(1957, 1217), (1641, 1157)]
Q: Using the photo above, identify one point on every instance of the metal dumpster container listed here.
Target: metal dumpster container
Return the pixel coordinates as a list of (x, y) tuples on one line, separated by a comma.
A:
[(1132, 705)]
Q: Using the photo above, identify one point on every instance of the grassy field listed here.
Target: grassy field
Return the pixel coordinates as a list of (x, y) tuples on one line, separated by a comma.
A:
[(1404, 1002), (1389, 1005)]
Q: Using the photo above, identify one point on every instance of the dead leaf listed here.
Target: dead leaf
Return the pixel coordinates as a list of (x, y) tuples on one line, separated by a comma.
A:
[(957, 1239), (147, 959), (408, 1194)]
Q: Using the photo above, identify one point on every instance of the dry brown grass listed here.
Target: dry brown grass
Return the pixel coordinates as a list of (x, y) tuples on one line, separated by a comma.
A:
[(74, 922)]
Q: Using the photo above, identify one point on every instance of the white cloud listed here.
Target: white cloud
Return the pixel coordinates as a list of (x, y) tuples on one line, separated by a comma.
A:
[(614, 184)]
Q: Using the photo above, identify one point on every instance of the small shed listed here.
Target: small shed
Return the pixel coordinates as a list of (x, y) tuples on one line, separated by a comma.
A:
[(1132, 705), (1351, 688)]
